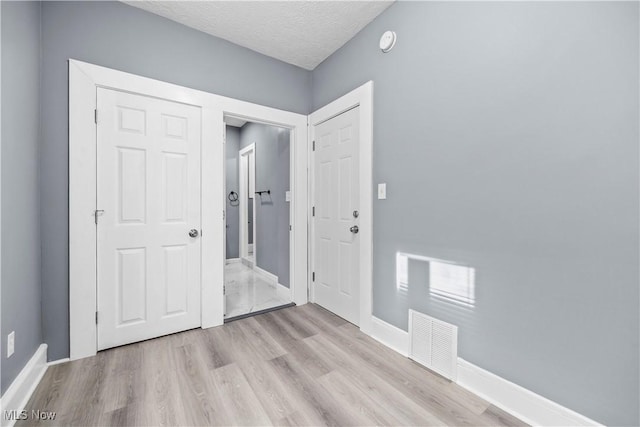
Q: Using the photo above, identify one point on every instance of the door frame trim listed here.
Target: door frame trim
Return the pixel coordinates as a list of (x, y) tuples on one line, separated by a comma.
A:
[(84, 78), (360, 97), (243, 246)]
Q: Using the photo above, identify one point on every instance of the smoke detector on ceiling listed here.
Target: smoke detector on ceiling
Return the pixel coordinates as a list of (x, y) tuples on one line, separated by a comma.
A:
[(387, 41)]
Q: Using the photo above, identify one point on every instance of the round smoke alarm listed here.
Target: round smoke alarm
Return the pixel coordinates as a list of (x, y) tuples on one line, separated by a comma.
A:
[(387, 41)]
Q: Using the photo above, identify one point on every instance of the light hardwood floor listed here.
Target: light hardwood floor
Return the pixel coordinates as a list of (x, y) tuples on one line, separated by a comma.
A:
[(296, 366)]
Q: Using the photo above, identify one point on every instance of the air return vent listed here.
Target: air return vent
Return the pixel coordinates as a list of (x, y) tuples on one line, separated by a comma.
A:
[(433, 343)]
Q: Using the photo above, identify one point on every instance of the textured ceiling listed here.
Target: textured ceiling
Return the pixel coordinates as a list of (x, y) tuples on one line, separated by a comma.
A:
[(302, 33)]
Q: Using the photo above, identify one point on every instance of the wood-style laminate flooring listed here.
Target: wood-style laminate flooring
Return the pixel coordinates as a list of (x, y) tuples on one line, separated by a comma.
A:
[(295, 366)]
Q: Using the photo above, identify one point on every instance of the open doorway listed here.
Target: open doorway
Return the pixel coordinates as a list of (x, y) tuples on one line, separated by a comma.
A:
[(257, 219)]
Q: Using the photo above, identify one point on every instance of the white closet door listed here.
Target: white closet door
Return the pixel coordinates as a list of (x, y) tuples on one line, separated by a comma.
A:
[(337, 194), (148, 166)]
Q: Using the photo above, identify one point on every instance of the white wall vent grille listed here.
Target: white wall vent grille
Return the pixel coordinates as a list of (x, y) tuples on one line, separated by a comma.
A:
[(434, 344)]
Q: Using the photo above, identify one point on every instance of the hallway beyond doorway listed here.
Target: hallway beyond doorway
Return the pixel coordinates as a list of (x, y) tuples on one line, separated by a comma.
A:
[(248, 291)]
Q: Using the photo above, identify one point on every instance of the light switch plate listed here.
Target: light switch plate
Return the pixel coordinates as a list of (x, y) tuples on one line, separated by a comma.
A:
[(287, 196), (382, 191)]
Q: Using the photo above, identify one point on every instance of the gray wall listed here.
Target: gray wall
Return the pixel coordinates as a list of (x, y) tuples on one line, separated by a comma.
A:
[(272, 211), (250, 217), (231, 174), (119, 36), (508, 135), (21, 295)]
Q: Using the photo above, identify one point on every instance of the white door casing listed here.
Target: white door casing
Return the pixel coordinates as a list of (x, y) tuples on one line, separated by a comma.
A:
[(148, 186), (336, 200), (224, 201), (247, 187), (361, 97), (251, 194)]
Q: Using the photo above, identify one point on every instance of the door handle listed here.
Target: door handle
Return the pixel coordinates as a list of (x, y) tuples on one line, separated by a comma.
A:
[(354, 229), (193, 233)]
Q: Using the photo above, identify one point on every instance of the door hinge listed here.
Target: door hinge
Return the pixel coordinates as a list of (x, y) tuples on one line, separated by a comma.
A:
[(313, 148), (95, 115), (96, 213), (313, 211), (223, 215), (290, 228), (96, 317), (313, 276)]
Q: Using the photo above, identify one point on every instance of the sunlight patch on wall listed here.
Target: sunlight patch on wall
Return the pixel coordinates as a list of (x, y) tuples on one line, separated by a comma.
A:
[(447, 280), (402, 272), (451, 281)]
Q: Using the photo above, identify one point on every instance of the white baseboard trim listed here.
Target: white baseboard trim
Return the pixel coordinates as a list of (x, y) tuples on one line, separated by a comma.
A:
[(232, 260), (19, 392), (389, 335), (264, 273), (59, 361), (524, 404), (283, 292)]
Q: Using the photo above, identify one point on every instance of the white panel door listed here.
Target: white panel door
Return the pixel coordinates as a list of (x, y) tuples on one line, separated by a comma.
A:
[(148, 166), (336, 194)]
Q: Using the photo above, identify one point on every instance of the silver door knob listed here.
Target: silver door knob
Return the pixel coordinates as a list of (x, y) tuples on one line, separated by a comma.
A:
[(354, 229), (193, 233)]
